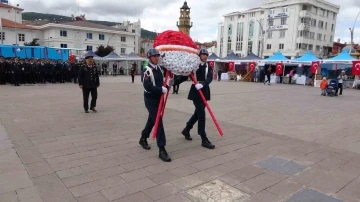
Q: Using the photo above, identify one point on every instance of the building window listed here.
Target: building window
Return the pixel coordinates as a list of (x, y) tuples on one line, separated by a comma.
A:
[(332, 27), (229, 38), (2, 36), (284, 9), (269, 35), (123, 50), (268, 46), (271, 22), (89, 48), (272, 11), (123, 39), (283, 21), (250, 44), (325, 25), (89, 35), (239, 36), (312, 35), (251, 30), (282, 34), (321, 24), (319, 37), (331, 40), (252, 14), (63, 33), (21, 37), (317, 48), (281, 46), (63, 45), (101, 37), (310, 47), (133, 31), (324, 37), (313, 22)]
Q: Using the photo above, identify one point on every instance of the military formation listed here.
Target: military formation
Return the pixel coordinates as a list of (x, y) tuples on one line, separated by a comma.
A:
[(18, 71)]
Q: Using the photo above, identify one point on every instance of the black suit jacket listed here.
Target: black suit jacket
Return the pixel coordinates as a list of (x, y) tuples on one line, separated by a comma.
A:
[(89, 77)]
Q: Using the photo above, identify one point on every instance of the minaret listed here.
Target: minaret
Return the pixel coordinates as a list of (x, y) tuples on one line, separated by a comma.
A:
[(184, 25)]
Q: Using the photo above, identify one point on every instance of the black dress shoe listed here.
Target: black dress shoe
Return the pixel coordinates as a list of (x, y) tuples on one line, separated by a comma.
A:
[(144, 144), (86, 111), (93, 109), (207, 144), (163, 155), (186, 134)]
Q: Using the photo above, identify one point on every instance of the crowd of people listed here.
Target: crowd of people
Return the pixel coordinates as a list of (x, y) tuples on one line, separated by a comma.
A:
[(18, 71)]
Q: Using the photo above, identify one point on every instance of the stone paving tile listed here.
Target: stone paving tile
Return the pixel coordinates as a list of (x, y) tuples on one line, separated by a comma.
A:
[(94, 197), (161, 191), (175, 198), (258, 183), (311, 195), (348, 196), (86, 149)]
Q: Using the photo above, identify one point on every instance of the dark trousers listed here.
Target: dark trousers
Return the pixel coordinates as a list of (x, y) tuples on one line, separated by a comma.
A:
[(86, 93), (152, 107), (114, 72), (267, 78), (2, 78), (176, 88), (17, 79), (340, 86), (132, 78), (290, 78), (198, 116)]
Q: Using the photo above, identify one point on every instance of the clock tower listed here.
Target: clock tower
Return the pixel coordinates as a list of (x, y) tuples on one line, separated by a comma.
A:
[(184, 23)]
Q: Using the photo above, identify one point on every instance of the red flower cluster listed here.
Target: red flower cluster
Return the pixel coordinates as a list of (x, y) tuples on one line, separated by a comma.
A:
[(174, 38)]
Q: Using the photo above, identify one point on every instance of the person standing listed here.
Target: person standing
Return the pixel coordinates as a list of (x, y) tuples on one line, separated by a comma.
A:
[(2, 72), (17, 69), (291, 74), (114, 69), (132, 72), (204, 76), (176, 86), (153, 89), (268, 75), (341, 78), (89, 82)]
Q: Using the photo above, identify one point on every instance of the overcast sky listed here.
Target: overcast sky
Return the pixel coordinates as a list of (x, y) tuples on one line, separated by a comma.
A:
[(161, 15)]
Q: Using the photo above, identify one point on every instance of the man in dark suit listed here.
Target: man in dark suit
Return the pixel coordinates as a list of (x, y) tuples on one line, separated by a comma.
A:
[(89, 82), (204, 76)]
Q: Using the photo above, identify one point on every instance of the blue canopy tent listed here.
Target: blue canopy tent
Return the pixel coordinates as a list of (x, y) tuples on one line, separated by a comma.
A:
[(343, 58), (114, 57), (34, 52), (307, 58), (213, 57), (230, 58), (277, 57), (251, 58)]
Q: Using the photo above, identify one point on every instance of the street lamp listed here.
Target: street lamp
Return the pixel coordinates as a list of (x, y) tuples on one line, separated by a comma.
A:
[(352, 33), (262, 38)]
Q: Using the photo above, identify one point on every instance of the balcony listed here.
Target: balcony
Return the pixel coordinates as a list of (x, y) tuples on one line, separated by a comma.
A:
[(304, 26), (278, 15), (277, 27), (305, 14)]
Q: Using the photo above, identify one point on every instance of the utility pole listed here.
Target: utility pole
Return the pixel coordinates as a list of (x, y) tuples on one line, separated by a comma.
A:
[(262, 39), (352, 33)]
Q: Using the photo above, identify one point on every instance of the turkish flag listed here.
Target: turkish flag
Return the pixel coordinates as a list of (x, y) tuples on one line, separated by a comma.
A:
[(72, 57), (252, 66), (231, 66), (279, 68), (314, 67), (212, 64), (356, 67)]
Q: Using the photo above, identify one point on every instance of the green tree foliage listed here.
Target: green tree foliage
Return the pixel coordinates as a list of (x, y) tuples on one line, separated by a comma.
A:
[(32, 16), (34, 42), (103, 51)]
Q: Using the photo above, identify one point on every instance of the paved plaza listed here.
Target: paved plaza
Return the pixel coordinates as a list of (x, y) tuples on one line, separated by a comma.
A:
[(281, 143)]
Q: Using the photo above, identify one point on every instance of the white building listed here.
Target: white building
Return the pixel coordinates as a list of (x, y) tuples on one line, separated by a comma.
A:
[(289, 26), (146, 44), (78, 34)]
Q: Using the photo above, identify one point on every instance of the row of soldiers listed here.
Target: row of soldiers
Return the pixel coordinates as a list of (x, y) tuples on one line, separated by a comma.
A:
[(18, 71)]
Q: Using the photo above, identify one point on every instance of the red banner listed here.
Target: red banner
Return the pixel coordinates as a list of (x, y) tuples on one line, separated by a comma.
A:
[(356, 68), (279, 69), (72, 58), (314, 67), (252, 66), (231, 66), (212, 64)]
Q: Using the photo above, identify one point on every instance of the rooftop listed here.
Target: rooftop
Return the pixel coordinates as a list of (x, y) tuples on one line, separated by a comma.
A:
[(185, 6), (12, 24), (3, 5), (89, 25)]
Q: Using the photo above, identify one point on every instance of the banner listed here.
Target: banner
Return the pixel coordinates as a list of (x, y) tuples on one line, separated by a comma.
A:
[(314, 67), (356, 68), (252, 66), (279, 69), (231, 66)]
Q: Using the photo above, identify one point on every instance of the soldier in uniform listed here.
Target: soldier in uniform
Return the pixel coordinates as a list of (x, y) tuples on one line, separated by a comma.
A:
[(89, 82), (2, 71), (204, 76), (17, 69), (153, 89), (42, 72)]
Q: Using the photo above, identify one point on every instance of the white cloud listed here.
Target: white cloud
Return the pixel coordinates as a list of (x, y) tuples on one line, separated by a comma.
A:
[(161, 15)]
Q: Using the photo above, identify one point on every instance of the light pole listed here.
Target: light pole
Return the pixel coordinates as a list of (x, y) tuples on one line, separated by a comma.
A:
[(352, 33), (262, 39)]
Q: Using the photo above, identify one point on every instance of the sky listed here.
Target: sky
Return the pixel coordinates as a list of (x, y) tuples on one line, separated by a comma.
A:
[(162, 15)]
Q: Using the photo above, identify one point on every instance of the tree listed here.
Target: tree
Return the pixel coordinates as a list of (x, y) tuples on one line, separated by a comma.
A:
[(142, 50), (34, 42), (104, 51)]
